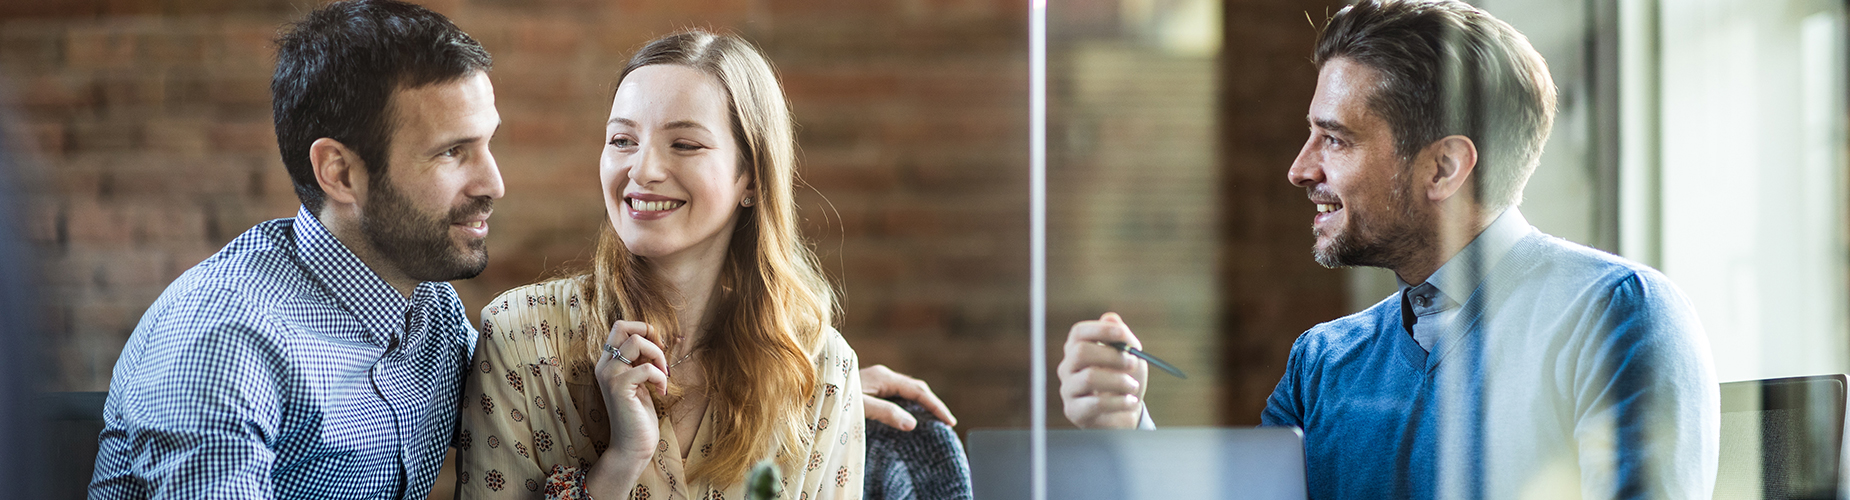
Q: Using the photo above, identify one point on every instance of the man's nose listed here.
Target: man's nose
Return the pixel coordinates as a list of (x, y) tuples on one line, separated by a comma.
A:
[(488, 179), (1305, 170)]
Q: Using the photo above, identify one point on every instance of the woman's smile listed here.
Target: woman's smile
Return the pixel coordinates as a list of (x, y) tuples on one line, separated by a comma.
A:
[(644, 206), (671, 169)]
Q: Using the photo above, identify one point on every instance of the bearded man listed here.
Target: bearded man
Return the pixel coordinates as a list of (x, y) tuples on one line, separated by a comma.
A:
[(321, 356), (1511, 364)]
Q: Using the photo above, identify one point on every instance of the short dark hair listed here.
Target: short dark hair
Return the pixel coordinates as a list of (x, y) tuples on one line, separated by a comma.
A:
[(1448, 68), (337, 68)]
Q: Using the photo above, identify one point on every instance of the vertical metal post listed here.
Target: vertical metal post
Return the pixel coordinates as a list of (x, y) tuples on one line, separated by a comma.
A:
[(1037, 243)]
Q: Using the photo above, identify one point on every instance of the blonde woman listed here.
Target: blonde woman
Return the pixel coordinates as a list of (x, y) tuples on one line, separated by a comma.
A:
[(700, 342)]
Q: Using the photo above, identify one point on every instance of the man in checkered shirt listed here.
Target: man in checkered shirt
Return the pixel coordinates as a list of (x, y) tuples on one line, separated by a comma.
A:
[(321, 356)]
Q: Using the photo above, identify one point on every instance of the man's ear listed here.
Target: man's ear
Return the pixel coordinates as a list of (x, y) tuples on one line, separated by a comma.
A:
[(339, 170), (1455, 157)]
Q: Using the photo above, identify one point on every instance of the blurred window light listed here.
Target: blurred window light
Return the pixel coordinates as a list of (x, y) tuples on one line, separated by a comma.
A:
[(1752, 139)]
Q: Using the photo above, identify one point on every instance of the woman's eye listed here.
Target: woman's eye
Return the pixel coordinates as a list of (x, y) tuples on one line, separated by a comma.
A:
[(682, 146), (622, 142)]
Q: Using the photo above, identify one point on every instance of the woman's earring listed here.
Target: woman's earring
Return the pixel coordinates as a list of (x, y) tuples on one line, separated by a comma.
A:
[(748, 201)]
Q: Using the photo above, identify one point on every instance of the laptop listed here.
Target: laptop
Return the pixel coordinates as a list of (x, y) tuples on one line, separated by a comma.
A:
[(1259, 463)]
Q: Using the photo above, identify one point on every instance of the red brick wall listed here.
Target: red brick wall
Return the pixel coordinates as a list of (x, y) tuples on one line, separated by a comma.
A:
[(150, 123), (154, 147)]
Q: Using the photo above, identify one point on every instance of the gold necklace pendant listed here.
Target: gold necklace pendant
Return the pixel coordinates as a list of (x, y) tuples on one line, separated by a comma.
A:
[(684, 358)]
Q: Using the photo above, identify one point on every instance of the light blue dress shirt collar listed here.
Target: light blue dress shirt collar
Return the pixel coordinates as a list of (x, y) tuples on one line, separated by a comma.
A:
[(1453, 279), (1437, 301)]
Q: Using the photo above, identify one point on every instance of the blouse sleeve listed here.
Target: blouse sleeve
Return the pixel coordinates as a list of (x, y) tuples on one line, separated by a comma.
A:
[(837, 453), (510, 422)]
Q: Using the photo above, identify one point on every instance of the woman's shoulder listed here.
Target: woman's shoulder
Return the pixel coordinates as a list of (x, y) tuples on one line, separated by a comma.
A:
[(830, 343), (563, 293), (833, 354), (543, 315)]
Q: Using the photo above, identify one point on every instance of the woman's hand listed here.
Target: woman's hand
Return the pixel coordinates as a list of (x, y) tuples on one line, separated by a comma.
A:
[(628, 399)]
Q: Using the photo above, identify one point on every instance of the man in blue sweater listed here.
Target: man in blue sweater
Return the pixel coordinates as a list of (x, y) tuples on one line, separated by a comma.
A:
[(1511, 364)]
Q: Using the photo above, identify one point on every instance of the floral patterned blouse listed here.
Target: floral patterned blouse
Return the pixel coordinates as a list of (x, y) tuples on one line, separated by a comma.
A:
[(531, 427)]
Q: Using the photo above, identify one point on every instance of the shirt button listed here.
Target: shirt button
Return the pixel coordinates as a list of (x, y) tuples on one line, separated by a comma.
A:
[(1422, 300)]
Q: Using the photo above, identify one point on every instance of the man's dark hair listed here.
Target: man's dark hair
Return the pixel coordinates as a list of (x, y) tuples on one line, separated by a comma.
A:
[(337, 68), (1448, 68)]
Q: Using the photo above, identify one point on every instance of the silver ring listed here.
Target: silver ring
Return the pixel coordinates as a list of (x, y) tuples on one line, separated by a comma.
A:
[(617, 352)]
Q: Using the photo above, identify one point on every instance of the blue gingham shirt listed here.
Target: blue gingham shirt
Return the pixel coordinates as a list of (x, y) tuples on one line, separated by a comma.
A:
[(283, 367)]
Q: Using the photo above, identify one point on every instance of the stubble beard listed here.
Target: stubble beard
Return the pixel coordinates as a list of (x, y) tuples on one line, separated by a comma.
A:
[(1387, 241), (418, 243)]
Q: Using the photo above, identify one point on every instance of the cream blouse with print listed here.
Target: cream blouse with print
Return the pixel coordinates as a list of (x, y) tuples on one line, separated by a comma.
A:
[(526, 418)]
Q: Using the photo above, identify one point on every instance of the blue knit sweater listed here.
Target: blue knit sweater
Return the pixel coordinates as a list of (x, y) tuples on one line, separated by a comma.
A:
[(1576, 374)]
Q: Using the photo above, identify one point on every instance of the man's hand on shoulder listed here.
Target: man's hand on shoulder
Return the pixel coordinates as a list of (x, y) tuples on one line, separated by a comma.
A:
[(878, 381), (1102, 387)]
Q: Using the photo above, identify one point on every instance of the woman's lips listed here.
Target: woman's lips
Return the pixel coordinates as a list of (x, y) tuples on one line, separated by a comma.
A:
[(651, 207)]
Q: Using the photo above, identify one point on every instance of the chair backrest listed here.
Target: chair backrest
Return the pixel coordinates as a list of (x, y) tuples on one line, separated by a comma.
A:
[(926, 463), (1782, 438)]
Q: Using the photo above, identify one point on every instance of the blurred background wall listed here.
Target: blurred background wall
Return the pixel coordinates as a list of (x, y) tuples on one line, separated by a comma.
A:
[(151, 127)]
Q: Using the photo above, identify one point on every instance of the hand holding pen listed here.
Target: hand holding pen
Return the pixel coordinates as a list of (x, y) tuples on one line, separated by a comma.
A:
[(1102, 384), (1153, 360)]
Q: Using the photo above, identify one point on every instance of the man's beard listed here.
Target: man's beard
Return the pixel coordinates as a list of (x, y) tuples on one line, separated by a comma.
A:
[(418, 243), (1387, 241)]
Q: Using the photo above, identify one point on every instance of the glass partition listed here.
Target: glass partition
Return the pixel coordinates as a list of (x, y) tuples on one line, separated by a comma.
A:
[(1133, 177), (1703, 139), (1132, 225), (1746, 193), (1752, 176)]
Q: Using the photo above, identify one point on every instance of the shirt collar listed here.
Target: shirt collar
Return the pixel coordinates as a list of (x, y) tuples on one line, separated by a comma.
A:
[(1455, 279), (354, 285)]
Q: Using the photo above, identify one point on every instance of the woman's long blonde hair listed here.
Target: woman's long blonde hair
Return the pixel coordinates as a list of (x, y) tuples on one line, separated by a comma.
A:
[(772, 303)]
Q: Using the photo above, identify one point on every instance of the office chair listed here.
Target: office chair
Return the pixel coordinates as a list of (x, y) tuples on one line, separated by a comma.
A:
[(1781, 438), (927, 463)]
